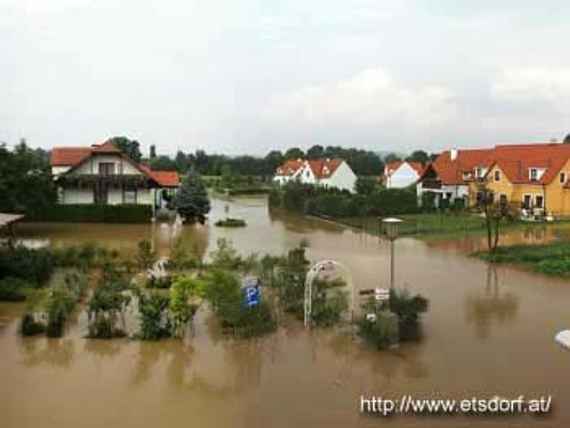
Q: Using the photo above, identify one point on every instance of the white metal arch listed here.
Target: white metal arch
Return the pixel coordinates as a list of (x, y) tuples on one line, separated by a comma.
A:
[(311, 275)]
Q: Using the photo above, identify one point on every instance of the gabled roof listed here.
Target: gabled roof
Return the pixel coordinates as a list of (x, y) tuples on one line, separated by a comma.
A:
[(289, 168), (451, 170), (516, 161), (76, 156), (392, 167), (324, 168)]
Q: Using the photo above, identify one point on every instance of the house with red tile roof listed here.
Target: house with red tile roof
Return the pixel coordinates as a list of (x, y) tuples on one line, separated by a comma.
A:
[(400, 174), (103, 174), (330, 173), (529, 176)]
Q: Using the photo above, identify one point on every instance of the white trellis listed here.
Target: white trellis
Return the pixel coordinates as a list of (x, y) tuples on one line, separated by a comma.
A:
[(312, 274)]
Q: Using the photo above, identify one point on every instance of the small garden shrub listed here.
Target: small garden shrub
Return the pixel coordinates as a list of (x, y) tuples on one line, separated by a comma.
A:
[(106, 305), (153, 313), (32, 265), (408, 308), (180, 308), (382, 332), (15, 289), (231, 222)]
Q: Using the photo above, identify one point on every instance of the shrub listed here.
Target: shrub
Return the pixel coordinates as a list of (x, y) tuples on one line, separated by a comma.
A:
[(94, 213), (14, 289), (33, 265), (559, 267), (408, 309), (153, 313), (107, 302), (181, 310), (145, 257), (226, 255), (231, 222), (30, 327), (381, 332)]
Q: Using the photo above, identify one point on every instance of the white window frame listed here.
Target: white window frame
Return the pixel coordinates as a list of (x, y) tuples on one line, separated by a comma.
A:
[(530, 200), (530, 171), (497, 175), (535, 203)]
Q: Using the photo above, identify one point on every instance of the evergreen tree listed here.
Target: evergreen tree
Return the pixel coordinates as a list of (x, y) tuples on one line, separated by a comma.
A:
[(192, 201)]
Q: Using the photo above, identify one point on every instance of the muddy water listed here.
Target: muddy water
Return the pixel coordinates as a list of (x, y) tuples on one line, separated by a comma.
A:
[(488, 332)]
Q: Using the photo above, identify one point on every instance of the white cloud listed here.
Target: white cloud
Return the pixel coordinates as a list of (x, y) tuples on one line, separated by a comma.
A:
[(370, 98)]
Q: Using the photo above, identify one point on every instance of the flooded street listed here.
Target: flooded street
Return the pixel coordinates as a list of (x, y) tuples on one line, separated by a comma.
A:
[(489, 331)]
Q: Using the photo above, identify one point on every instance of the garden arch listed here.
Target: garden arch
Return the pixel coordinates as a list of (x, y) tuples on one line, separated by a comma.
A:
[(312, 274)]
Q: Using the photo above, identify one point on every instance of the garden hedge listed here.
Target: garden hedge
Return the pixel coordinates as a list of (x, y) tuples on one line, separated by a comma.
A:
[(92, 213)]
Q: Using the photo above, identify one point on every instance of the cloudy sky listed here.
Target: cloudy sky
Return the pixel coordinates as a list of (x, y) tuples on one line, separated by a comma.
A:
[(247, 76)]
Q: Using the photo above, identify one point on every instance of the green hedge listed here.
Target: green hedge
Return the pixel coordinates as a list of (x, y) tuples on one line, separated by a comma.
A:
[(93, 213)]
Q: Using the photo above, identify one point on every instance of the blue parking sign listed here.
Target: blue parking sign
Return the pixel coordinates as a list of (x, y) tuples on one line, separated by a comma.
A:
[(252, 292)]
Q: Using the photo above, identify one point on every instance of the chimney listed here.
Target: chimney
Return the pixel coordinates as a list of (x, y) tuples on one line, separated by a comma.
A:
[(453, 154)]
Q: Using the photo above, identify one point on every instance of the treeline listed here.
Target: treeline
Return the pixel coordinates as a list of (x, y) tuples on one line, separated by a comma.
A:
[(333, 203)]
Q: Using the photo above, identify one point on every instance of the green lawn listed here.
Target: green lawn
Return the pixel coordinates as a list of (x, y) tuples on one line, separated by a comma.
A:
[(551, 259)]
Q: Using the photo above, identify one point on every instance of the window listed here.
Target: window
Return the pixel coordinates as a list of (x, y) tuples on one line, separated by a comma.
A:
[(497, 175), (106, 168), (563, 177), (533, 174), (527, 201), (539, 200), (503, 200)]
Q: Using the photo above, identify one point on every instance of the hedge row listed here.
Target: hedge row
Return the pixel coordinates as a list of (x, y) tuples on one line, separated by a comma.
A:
[(338, 204), (93, 213)]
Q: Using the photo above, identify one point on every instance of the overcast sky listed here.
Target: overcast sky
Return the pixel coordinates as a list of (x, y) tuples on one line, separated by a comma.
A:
[(248, 76)]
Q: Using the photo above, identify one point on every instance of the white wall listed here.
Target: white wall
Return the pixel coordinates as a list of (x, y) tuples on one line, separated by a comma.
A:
[(404, 176), (115, 196), (91, 166), (343, 178), (56, 170)]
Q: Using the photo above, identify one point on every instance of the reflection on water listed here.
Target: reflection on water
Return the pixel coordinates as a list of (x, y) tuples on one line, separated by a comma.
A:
[(488, 332)]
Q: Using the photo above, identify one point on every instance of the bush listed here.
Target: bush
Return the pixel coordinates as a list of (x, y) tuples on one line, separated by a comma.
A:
[(153, 313), (408, 309), (30, 327), (181, 311), (382, 332), (94, 213), (34, 266), (560, 267), (14, 289), (231, 222), (107, 302)]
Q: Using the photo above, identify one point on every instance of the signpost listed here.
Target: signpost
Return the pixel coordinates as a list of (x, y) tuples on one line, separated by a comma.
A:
[(251, 290)]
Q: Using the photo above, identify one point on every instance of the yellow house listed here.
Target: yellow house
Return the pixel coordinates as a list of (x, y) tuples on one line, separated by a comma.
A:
[(533, 177)]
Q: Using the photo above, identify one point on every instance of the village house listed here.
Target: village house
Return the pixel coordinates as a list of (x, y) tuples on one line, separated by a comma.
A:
[(453, 175), (530, 177), (102, 174), (400, 174), (329, 173)]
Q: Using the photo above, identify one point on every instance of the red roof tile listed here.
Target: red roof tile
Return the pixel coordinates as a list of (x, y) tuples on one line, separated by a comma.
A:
[(290, 167), (69, 156), (164, 178), (324, 168)]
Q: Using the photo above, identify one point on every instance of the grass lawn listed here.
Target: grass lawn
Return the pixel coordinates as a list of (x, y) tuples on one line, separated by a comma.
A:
[(551, 259), (419, 224)]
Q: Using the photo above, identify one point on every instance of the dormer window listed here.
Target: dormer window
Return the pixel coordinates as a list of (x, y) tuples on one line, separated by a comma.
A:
[(563, 177), (497, 175), (478, 172), (533, 174)]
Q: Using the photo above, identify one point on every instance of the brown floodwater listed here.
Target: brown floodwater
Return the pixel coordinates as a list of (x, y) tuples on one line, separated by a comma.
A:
[(490, 331)]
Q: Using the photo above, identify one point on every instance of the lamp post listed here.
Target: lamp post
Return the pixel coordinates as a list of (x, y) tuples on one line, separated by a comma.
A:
[(391, 228)]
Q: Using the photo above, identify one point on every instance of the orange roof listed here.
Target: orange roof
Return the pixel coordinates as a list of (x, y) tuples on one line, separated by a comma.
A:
[(324, 168), (74, 156), (514, 160), (290, 167), (69, 156)]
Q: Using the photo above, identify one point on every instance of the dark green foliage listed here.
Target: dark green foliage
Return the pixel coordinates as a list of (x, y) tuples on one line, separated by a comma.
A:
[(14, 289), (329, 303), (382, 332), (226, 256), (420, 156), (94, 213), (192, 201), (153, 312), (26, 184), (33, 265), (231, 222), (408, 308), (559, 267), (366, 185), (223, 292), (30, 327), (129, 147), (84, 255)]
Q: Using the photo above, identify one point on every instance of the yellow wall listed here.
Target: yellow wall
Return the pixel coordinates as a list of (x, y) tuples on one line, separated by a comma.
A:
[(556, 198)]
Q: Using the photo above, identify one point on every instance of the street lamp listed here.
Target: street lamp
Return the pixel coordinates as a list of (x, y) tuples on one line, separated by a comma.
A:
[(391, 229)]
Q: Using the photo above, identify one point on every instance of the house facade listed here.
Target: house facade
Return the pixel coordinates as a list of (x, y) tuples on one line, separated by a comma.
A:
[(330, 173), (453, 175), (102, 174), (529, 177), (400, 174)]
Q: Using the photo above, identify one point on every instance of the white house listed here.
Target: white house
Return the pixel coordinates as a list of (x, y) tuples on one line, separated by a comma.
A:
[(102, 174), (400, 174), (331, 173)]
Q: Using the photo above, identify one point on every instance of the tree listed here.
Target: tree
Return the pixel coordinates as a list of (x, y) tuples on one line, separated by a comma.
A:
[(163, 163), (316, 152), (294, 153), (418, 156), (273, 159), (567, 139), (392, 157), (152, 153), (192, 201), (495, 213), (129, 147), (365, 185)]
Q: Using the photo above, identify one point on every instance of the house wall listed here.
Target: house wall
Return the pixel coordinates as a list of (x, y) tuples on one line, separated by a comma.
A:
[(515, 192), (343, 178), (122, 166), (404, 176), (115, 196), (56, 170), (558, 197)]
